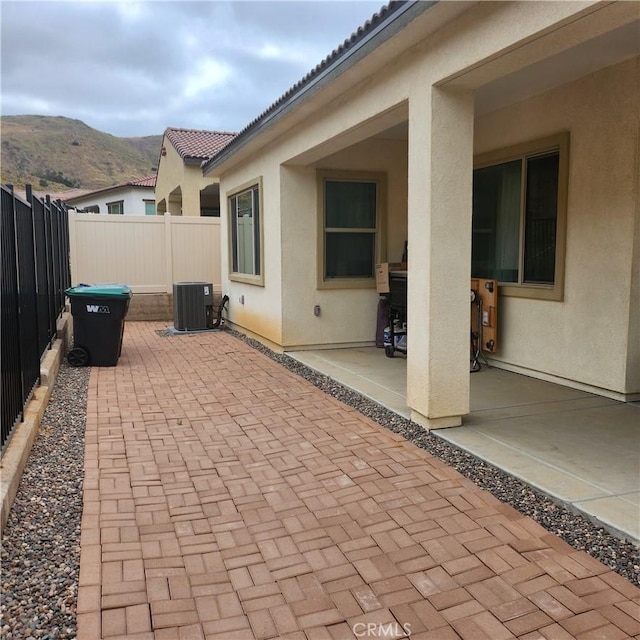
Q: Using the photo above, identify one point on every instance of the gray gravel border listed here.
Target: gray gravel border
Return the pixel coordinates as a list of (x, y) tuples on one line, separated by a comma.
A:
[(40, 549)]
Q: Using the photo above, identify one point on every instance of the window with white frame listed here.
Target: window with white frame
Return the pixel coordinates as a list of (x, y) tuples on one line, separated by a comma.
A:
[(116, 208), (519, 218), (245, 233), (350, 227), (149, 207)]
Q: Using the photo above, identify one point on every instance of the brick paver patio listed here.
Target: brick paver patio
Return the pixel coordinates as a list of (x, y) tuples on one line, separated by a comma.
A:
[(225, 497)]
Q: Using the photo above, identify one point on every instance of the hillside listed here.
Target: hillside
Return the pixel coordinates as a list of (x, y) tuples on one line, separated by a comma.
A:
[(54, 153)]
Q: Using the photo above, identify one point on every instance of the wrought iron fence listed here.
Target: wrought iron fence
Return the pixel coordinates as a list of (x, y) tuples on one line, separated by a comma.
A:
[(34, 263)]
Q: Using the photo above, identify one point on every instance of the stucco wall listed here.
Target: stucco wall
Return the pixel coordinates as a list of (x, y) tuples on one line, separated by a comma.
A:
[(347, 315), (336, 125), (587, 336), (170, 170), (256, 308), (192, 183), (174, 172), (633, 354), (289, 218)]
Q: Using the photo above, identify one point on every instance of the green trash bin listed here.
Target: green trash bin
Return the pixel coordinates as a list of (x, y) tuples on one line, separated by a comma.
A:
[(98, 312)]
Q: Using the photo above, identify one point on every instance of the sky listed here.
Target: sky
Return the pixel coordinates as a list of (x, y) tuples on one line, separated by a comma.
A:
[(136, 68)]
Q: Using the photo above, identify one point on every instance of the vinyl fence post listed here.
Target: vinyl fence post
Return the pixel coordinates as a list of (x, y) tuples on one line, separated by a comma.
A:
[(168, 250)]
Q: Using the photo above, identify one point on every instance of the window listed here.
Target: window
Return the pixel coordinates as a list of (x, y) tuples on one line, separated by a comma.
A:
[(210, 212), (149, 207), (116, 208), (519, 214), (350, 228), (245, 234)]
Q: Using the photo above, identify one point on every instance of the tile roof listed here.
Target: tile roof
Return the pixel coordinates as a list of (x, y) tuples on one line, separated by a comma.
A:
[(198, 144), (74, 194), (147, 181), (55, 196), (355, 37), (376, 21), (69, 194)]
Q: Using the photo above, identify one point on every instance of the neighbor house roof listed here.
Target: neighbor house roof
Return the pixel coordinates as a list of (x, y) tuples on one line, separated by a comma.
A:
[(147, 181), (354, 48), (77, 194), (196, 144)]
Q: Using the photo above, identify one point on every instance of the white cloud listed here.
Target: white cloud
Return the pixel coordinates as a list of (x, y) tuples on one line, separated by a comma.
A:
[(131, 11), (24, 105), (134, 68), (285, 53), (208, 74)]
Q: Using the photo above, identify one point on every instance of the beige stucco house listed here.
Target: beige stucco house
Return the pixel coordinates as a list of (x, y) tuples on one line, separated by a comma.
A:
[(133, 198), (181, 188), (501, 139)]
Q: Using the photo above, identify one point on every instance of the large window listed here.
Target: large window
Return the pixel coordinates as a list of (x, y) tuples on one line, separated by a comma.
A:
[(116, 208), (350, 228), (519, 213), (245, 234)]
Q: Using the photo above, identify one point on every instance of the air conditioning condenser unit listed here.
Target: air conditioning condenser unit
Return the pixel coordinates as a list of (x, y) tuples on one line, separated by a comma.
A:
[(192, 306)]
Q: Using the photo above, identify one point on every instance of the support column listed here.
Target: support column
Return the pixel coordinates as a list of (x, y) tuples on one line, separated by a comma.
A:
[(439, 212), (191, 196)]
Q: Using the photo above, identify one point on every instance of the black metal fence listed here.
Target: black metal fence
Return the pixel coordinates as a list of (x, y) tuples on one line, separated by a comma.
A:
[(34, 263)]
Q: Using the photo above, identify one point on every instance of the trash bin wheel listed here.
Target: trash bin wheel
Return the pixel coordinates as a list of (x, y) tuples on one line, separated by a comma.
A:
[(78, 357), (388, 350)]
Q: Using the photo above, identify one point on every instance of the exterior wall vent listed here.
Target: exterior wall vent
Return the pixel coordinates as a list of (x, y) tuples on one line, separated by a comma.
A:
[(192, 306)]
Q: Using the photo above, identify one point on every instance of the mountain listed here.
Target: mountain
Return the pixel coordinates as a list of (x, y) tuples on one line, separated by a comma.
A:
[(54, 153)]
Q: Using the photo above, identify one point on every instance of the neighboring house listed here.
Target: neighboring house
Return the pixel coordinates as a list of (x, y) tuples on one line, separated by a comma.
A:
[(181, 189), (502, 140), (134, 198)]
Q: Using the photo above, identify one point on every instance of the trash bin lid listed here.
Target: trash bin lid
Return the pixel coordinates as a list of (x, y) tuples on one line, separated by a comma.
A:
[(102, 290)]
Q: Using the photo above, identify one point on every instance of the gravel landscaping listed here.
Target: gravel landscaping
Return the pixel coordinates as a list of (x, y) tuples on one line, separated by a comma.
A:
[(41, 542), (40, 551)]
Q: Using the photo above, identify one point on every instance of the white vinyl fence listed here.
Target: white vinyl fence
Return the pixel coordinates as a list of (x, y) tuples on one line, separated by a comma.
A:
[(148, 253)]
